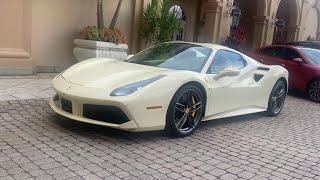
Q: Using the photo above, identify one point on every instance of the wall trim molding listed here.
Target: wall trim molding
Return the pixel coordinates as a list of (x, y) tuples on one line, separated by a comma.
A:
[(14, 53)]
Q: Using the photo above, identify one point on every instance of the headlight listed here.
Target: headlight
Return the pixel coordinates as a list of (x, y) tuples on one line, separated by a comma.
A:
[(131, 88)]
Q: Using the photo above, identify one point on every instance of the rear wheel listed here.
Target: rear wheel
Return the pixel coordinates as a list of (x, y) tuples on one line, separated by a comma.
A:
[(277, 98), (185, 111), (314, 91)]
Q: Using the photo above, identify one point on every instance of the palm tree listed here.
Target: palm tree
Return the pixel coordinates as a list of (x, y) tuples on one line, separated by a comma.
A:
[(100, 15), (115, 16)]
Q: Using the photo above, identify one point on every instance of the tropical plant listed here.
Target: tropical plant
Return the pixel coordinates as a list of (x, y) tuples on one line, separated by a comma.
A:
[(159, 23), (100, 32), (236, 40)]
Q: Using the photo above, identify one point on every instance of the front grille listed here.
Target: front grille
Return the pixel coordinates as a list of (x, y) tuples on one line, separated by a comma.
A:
[(66, 105), (109, 114)]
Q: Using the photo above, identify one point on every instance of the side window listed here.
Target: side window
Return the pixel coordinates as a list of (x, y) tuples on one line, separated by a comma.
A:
[(290, 54), (224, 59), (272, 51)]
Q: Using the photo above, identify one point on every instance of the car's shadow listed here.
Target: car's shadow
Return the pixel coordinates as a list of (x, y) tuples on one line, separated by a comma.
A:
[(298, 94), (79, 128)]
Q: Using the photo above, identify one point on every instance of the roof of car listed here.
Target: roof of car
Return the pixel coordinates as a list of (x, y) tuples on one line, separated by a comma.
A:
[(291, 46), (277, 45), (288, 46), (304, 42)]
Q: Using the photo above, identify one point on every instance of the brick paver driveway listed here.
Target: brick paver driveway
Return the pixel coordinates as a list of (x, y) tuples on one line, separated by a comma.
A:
[(35, 143)]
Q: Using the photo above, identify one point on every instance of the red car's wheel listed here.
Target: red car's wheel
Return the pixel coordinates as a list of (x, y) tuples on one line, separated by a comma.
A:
[(314, 90)]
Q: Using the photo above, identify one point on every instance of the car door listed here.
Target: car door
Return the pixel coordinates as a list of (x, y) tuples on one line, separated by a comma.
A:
[(296, 70), (224, 97)]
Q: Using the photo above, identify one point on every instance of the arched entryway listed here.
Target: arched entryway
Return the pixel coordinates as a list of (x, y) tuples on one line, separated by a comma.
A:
[(246, 19), (254, 21), (187, 10), (288, 12), (180, 35)]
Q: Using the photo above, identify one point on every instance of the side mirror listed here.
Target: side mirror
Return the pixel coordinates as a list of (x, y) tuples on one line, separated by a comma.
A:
[(129, 56), (228, 72), (298, 61)]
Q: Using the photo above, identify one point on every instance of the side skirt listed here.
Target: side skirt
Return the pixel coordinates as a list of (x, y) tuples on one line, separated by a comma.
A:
[(235, 112)]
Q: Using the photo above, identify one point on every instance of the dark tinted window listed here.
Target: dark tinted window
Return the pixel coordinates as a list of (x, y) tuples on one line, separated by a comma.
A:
[(272, 51), (290, 54), (224, 59)]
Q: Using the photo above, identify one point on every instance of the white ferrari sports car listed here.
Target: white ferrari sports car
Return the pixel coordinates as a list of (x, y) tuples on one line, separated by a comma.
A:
[(171, 86)]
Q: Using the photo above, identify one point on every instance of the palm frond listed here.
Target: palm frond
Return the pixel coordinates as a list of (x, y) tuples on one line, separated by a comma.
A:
[(158, 23)]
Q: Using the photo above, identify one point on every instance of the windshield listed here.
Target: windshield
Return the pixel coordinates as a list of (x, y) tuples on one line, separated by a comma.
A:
[(177, 56), (312, 55)]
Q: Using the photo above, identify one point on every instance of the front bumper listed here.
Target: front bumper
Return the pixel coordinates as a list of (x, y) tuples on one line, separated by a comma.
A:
[(138, 117), (75, 115)]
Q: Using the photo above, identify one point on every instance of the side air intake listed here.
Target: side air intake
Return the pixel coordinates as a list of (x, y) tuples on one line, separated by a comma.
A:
[(263, 69)]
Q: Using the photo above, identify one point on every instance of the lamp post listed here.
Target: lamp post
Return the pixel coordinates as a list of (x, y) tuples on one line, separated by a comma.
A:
[(280, 24), (235, 14)]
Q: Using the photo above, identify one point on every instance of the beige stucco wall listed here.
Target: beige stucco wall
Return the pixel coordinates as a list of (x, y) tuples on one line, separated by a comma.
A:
[(56, 23), (40, 33), (15, 36)]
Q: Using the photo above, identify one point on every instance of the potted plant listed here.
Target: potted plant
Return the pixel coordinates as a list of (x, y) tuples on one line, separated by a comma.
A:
[(100, 41), (236, 40)]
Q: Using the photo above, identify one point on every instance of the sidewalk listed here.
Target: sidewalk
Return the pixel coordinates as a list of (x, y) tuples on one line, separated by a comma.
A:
[(26, 87)]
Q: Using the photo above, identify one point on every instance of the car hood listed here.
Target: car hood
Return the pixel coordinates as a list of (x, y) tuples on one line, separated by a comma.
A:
[(109, 73)]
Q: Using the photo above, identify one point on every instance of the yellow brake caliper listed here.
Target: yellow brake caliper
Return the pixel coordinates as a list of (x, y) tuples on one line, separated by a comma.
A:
[(193, 102)]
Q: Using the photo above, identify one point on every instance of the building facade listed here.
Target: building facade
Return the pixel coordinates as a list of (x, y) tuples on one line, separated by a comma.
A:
[(37, 35)]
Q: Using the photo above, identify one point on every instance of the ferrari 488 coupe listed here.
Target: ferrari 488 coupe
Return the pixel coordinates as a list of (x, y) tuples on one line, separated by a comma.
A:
[(171, 86)]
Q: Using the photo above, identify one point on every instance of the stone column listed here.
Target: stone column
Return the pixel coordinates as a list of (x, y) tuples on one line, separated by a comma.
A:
[(15, 35), (211, 13), (260, 25), (292, 32)]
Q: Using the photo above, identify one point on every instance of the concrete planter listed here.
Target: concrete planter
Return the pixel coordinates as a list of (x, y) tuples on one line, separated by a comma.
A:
[(86, 49)]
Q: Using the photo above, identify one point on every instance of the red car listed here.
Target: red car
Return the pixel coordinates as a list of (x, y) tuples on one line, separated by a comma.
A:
[(302, 63)]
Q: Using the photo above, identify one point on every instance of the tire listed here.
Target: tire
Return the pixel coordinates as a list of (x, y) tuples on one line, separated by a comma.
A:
[(276, 99), (313, 90), (185, 111)]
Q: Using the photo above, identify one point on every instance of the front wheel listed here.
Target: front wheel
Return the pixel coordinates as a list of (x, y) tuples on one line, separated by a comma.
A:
[(185, 111), (314, 91), (277, 98)]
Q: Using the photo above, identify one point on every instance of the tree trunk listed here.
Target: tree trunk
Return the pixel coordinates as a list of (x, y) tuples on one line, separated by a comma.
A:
[(100, 14), (115, 16)]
